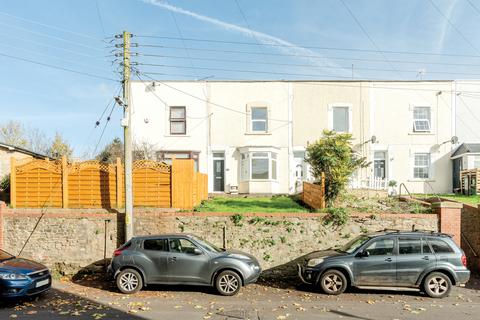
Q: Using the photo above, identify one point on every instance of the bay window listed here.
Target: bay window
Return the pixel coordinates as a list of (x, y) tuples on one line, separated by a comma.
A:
[(259, 166)]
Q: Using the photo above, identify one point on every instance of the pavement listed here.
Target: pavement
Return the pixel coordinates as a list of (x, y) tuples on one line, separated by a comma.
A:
[(91, 297)]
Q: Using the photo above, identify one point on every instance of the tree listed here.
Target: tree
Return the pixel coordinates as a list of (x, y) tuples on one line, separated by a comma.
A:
[(37, 141), (13, 133), (59, 147), (333, 155), (111, 152)]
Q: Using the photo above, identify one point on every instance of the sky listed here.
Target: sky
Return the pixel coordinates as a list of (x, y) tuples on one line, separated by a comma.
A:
[(59, 74)]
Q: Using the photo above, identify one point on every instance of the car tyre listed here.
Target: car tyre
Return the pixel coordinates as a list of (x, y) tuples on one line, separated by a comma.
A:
[(129, 281), (228, 283), (437, 285), (333, 282)]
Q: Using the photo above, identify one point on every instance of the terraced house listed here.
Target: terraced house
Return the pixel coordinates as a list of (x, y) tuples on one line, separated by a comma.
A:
[(251, 136)]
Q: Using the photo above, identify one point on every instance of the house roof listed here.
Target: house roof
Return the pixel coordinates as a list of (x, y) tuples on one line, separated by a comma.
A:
[(466, 148), (22, 150)]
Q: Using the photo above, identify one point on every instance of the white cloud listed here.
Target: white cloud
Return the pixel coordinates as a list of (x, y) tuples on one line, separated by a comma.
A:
[(285, 46)]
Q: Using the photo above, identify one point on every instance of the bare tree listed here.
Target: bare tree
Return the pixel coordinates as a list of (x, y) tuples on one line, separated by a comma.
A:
[(13, 133)]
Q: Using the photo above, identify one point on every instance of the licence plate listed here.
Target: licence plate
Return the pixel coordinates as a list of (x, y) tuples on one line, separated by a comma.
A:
[(42, 283)]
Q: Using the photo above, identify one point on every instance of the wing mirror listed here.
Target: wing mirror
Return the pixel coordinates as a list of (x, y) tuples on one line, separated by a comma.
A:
[(363, 254), (197, 251)]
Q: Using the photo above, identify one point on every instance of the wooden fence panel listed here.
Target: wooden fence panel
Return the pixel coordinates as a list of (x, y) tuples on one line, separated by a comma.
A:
[(92, 184), (151, 184), (314, 194), (36, 184), (183, 173)]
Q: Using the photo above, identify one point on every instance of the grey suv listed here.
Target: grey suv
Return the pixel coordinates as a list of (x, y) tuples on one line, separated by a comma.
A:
[(181, 259), (390, 260)]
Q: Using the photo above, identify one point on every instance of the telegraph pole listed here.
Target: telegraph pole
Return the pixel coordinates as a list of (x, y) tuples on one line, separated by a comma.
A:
[(127, 139)]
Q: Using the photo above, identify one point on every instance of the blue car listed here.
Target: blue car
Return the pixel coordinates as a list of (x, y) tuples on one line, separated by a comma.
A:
[(20, 277)]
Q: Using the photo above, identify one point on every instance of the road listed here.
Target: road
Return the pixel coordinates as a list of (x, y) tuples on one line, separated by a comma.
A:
[(89, 298)]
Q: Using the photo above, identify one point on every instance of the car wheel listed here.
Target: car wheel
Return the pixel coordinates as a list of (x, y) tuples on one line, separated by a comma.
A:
[(129, 281), (437, 285), (228, 283), (333, 282)]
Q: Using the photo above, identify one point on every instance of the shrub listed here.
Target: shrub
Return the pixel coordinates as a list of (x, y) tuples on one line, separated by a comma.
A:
[(336, 216), (237, 219), (5, 183), (333, 155)]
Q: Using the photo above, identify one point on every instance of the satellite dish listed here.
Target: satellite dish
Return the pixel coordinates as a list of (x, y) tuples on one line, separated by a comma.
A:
[(373, 139), (454, 140)]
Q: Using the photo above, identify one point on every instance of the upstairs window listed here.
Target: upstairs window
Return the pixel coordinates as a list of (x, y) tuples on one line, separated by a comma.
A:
[(421, 165), (341, 119), (178, 120), (422, 119), (259, 119)]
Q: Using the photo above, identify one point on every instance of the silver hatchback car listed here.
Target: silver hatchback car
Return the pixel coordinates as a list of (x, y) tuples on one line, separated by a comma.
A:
[(181, 259)]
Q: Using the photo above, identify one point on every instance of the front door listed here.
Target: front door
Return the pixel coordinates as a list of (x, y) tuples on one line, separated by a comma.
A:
[(414, 256), (379, 267), (186, 266), (218, 175), (379, 165)]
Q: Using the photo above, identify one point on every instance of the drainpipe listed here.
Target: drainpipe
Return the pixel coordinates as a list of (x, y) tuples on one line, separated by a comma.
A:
[(291, 188)]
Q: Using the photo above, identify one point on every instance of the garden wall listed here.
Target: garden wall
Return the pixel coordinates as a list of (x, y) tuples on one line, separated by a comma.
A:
[(68, 239), (471, 235)]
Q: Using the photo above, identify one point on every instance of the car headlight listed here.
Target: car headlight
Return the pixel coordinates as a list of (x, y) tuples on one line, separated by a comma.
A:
[(12, 276), (254, 265), (314, 262)]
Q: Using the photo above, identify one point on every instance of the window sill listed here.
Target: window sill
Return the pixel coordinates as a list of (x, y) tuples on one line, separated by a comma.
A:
[(258, 133), (421, 133), (260, 180), (422, 180), (176, 135)]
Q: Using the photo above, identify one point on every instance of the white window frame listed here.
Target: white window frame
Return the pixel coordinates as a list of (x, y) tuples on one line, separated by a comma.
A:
[(429, 166), (247, 163), (350, 116), (175, 120), (250, 120), (416, 122)]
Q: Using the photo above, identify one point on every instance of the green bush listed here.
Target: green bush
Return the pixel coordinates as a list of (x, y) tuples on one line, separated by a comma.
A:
[(5, 183), (336, 216), (237, 219), (333, 155)]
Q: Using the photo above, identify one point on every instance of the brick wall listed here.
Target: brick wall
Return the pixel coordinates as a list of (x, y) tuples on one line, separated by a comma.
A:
[(72, 239), (471, 235)]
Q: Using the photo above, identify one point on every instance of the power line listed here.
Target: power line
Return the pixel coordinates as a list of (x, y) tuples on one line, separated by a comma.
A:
[(181, 36), (54, 57), (460, 33), (50, 26), (299, 65), (242, 71), (53, 47), (57, 67), (309, 47), (42, 34), (104, 127), (201, 99), (99, 14), (474, 6), (365, 32), (295, 55)]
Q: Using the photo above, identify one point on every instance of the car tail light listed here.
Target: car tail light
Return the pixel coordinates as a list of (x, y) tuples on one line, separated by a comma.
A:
[(464, 260), (117, 252)]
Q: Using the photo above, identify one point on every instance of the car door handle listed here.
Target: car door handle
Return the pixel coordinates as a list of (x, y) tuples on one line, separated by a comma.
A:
[(426, 258), (388, 259), (173, 259)]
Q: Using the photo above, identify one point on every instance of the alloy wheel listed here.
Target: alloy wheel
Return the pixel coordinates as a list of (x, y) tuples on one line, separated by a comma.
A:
[(228, 283), (438, 285), (333, 283), (129, 281)]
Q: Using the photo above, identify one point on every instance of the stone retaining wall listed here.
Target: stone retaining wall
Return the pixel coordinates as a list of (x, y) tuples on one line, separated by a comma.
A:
[(69, 240)]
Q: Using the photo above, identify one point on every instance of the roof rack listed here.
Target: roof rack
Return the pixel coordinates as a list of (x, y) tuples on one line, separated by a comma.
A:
[(390, 231)]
